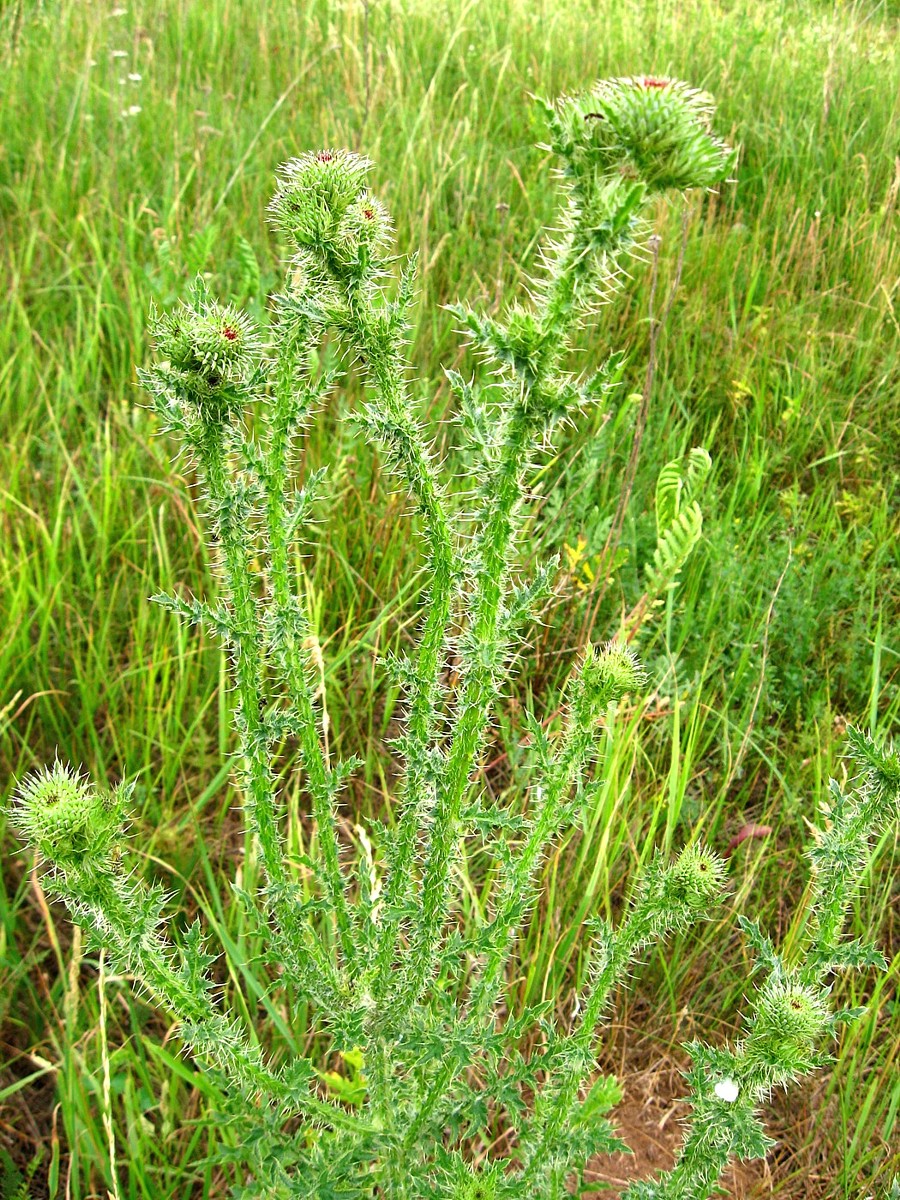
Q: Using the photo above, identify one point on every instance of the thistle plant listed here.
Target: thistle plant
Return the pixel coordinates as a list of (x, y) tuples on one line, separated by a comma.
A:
[(416, 1005)]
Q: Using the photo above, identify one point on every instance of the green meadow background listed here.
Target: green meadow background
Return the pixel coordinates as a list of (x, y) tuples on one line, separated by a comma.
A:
[(137, 147)]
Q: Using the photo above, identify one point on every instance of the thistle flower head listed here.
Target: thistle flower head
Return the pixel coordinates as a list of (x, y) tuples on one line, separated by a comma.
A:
[(212, 349), (790, 1014), (654, 129), (476, 1183), (365, 225), (606, 673), (313, 194), (696, 879), (62, 814)]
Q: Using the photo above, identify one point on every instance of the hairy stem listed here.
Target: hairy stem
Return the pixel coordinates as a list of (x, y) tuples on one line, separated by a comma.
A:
[(504, 493), (294, 932), (291, 631), (518, 890), (124, 917), (380, 346)]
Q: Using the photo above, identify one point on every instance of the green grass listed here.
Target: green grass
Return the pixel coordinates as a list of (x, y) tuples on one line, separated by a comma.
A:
[(780, 355)]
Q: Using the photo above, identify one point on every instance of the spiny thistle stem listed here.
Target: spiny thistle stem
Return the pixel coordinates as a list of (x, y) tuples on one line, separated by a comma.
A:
[(525, 422), (668, 898), (790, 1010), (124, 916), (551, 1115), (603, 677), (290, 632), (473, 707), (230, 517), (600, 225), (379, 345)]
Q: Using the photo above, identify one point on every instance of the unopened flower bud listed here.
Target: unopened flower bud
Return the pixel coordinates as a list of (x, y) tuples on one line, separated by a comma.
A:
[(522, 341), (881, 765), (696, 878), (655, 129), (790, 1014), (365, 225), (213, 348), (606, 673), (314, 192), (63, 815), (474, 1183)]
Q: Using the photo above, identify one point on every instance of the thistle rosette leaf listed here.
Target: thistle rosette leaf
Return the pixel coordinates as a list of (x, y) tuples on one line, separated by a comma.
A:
[(66, 818), (656, 130)]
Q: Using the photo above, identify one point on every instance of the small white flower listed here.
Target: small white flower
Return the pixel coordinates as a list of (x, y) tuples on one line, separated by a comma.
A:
[(131, 111), (727, 1090), (118, 12), (120, 53), (135, 76)]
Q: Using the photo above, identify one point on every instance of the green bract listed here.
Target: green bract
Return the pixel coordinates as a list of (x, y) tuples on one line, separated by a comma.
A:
[(791, 1014), (437, 1052), (71, 822), (650, 129), (606, 674), (697, 878)]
